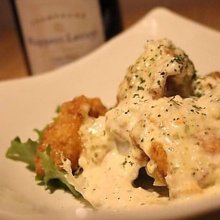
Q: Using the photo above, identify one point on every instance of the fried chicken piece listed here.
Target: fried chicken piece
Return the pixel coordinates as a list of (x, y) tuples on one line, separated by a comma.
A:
[(210, 141), (215, 75), (162, 70), (159, 156), (62, 134), (203, 85)]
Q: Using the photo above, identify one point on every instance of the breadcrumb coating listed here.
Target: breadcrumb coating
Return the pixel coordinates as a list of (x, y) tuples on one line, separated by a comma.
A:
[(62, 134)]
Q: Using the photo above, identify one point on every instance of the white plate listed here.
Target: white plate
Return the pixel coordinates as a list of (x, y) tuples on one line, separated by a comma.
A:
[(30, 103)]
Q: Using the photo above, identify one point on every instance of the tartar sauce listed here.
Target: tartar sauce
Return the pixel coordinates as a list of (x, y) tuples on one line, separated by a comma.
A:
[(166, 120)]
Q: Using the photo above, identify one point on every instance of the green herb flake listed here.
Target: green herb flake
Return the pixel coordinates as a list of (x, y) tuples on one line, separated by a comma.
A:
[(135, 95), (140, 88), (142, 80)]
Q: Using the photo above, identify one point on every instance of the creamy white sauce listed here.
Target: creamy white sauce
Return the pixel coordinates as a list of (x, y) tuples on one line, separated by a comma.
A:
[(117, 145), (106, 181)]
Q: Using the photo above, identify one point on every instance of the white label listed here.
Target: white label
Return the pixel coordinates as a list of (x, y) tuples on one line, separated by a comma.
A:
[(57, 32)]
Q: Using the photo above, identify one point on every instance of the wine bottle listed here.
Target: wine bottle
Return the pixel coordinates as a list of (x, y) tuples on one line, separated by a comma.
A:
[(56, 32)]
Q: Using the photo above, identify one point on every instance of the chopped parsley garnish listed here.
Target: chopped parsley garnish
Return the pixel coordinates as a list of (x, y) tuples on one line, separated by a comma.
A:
[(140, 88), (142, 80)]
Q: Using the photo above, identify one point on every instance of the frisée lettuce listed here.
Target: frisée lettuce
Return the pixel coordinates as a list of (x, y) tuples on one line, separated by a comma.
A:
[(26, 151)]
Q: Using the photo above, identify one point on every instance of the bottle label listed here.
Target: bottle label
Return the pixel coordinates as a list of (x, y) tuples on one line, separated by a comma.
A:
[(57, 32)]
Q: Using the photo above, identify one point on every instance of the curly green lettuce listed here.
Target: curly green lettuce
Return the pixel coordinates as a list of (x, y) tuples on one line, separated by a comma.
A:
[(26, 151)]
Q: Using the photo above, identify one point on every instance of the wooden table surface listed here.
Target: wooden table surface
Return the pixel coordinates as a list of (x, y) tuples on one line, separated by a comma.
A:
[(206, 12)]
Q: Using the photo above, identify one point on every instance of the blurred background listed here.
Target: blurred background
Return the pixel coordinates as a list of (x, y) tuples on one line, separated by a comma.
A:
[(12, 64)]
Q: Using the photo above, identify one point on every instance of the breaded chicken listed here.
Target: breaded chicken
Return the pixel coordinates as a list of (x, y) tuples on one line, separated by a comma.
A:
[(204, 85), (62, 134), (162, 70), (159, 156), (210, 141)]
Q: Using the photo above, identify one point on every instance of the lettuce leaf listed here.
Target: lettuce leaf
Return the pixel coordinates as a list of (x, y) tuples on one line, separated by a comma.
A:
[(26, 151), (53, 173)]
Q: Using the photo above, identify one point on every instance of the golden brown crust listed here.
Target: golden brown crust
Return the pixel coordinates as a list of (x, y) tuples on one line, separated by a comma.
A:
[(210, 141), (215, 75), (62, 134), (159, 156)]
